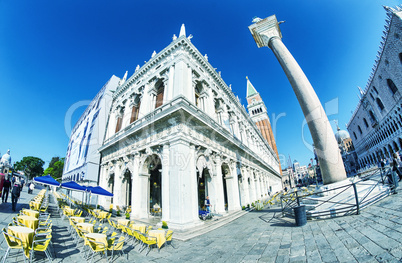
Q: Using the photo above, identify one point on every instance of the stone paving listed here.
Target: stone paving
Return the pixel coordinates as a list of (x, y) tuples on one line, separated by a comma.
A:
[(261, 236)]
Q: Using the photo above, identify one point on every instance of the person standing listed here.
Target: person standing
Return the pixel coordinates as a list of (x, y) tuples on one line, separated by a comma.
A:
[(6, 189), (208, 204), (15, 195)]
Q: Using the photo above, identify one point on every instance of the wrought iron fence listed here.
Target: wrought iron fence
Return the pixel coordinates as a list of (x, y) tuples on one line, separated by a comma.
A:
[(342, 200)]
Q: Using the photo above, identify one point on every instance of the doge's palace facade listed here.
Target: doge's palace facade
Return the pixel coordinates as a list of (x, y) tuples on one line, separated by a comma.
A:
[(176, 133)]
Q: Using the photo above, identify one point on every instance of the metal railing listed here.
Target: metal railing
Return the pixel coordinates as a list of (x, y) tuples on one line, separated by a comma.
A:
[(343, 200)]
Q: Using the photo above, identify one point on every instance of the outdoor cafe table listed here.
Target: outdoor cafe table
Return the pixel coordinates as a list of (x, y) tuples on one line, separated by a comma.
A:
[(69, 211), (25, 234), (98, 237), (139, 227), (30, 212), (78, 219), (123, 222), (102, 214), (86, 226), (29, 221), (160, 236)]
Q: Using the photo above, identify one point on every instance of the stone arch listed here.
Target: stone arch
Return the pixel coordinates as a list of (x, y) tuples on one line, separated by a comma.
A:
[(127, 187), (150, 168)]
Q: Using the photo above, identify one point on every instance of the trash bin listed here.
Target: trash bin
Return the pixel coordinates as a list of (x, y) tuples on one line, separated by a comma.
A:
[(300, 215)]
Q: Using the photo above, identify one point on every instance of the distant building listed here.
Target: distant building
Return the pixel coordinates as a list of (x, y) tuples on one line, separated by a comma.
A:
[(83, 158), (5, 163), (376, 125), (348, 152)]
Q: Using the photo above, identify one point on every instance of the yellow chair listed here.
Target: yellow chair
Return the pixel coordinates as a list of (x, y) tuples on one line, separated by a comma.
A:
[(147, 241), (17, 244), (148, 228), (96, 246), (169, 235), (41, 244), (115, 246)]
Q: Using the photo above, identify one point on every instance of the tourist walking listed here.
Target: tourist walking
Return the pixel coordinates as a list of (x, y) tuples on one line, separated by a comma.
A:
[(31, 188), (208, 204), (15, 195), (6, 190)]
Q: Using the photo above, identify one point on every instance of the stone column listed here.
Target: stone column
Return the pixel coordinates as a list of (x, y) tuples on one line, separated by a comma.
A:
[(183, 198), (220, 199), (266, 32), (145, 107), (165, 183), (136, 187), (245, 187), (233, 196), (117, 193)]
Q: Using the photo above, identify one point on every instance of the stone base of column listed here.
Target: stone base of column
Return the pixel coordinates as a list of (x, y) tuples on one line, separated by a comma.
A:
[(335, 188), (185, 226)]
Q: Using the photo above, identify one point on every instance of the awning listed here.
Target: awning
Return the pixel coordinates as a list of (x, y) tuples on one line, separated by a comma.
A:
[(47, 179), (97, 190), (74, 186)]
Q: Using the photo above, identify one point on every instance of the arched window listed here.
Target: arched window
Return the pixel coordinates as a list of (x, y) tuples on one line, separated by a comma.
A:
[(372, 97), (365, 122), (392, 86), (376, 91), (354, 134), (379, 104), (400, 57), (360, 129), (372, 117)]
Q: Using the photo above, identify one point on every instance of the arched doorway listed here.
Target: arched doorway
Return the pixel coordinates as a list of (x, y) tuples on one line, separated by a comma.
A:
[(203, 179), (110, 185), (225, 173), (154, 166), (127, 188)]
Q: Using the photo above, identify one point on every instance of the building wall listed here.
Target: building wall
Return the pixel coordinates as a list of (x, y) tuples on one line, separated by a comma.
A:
[(200, 141), (375, 126), (82, 158)]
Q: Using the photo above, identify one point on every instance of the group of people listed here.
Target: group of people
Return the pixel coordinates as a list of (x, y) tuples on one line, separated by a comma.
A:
[(14, 187), (396, 165)]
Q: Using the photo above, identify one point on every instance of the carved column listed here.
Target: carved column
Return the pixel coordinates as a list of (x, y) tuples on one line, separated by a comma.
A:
[(118, 177), (234, 203), (136, 186), (266, 32), (165, 183), (220, 199)]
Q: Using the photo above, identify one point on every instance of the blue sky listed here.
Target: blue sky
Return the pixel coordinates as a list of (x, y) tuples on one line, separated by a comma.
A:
[(54, 54)]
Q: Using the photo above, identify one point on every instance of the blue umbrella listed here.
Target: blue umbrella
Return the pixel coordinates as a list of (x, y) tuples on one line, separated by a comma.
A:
[(47, 180), (74, 186), (97, 190)]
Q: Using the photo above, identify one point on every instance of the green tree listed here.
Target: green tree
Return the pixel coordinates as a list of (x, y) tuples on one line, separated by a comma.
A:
[(55, 168), (32, 166)]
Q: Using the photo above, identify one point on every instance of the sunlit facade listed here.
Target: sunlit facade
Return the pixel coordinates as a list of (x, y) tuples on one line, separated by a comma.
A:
[(176, 133)]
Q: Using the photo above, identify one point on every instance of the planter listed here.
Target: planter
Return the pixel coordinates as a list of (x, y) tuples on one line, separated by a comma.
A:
[(165, 227)]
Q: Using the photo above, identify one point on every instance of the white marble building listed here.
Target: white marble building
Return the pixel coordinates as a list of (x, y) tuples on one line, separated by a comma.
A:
[(376, 124), (82, 159), (177, 133)]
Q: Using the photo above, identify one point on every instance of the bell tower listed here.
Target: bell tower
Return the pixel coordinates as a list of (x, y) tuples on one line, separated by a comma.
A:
[(258, 113)]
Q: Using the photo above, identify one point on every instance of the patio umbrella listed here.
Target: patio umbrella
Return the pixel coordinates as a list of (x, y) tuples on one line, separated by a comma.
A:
[(74, 186), (97, 190), (46, 180)]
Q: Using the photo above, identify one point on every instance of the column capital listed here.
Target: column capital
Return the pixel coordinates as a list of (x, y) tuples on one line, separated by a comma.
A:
[(265, 29)]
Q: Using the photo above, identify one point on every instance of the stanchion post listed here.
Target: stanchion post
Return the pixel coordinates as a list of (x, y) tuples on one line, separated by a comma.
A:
[(357, 199)]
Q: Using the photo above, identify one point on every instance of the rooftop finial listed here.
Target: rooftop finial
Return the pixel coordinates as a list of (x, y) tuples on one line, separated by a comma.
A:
[(182, 30)]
